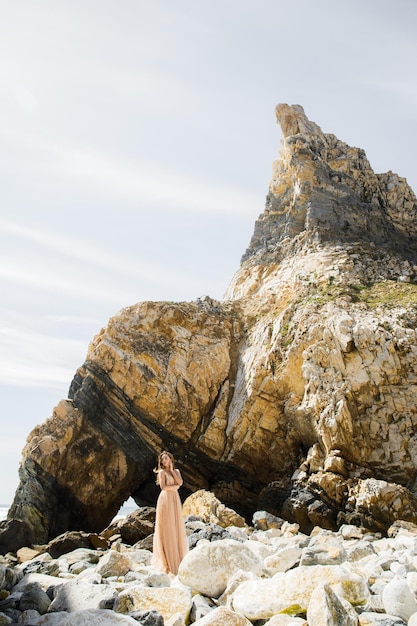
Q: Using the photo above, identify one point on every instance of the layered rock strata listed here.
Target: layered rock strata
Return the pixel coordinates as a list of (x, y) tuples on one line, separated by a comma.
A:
[(295, 394)]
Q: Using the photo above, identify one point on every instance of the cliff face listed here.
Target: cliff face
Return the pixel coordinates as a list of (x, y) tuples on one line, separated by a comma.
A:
[(295, 394)]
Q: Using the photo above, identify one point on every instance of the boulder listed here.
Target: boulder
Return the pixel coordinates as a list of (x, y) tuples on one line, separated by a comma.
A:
[(286, 620), (223, 617), (134, 527), (283, 560), (201, 607), (67, 542), (399, 600), (34, 597), (77, 595), (114, 563), (167, 601), (262, 520), (207, 507), (260, 599), (148, 618), (323, 549), (85, 617), (325, 607), (301, 581), (290, 592), (370, 618), (208, 568)]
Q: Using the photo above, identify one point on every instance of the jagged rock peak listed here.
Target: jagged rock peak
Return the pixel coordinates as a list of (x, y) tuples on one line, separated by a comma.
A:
[(324, 190), (294, 395), (293, 121)]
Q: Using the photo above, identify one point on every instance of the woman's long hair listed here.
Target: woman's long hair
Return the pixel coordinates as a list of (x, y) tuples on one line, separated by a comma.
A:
[(160, 467)]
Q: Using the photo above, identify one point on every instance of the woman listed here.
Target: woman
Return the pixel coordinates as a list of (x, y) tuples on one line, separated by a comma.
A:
[(170, 543)]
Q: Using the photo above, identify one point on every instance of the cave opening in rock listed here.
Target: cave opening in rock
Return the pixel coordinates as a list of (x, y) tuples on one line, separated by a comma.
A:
[(127, 507)]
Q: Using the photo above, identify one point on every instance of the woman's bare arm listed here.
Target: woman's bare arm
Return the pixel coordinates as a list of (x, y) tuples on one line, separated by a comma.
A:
[(163, 483)]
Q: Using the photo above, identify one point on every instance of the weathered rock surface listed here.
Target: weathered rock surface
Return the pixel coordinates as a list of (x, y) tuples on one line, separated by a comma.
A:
[(294, 395), (374, 584), (206, 506), (208, 567)]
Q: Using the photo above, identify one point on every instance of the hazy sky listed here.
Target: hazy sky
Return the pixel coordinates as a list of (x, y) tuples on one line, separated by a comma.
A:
[(137, 138)]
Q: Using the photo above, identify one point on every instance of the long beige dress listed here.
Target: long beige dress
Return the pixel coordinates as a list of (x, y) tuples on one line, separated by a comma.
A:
[(170, 543)]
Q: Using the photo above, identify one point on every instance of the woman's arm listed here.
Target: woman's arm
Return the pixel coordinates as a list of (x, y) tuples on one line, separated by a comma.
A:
[(177, 477), (163, 481)]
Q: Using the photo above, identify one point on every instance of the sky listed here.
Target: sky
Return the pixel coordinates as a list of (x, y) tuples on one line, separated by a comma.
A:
[(136, 144)]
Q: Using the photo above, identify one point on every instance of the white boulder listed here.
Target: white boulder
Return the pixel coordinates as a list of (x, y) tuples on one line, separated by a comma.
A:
[(208, 568), (398, 599), (166, 600)]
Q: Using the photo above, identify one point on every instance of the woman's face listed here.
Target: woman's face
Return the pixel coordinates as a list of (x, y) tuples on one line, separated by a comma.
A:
[(165, 461)]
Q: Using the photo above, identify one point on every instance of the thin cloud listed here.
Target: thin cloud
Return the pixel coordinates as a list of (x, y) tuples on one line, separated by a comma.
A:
[(63, 286), (127, 179), (32, 359), (30, 375), (94, 256), (73, 319)]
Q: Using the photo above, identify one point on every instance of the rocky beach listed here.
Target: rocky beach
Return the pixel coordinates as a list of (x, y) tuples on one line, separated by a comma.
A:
[(267, 573)]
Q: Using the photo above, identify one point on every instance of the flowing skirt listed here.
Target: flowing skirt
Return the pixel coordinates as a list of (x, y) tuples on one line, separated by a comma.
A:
[(170, 543)]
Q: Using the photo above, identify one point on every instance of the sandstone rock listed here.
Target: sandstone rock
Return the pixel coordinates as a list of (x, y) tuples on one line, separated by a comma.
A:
[(293, 121), (67, 542), (167, 601), (413, 620), (26, 554), (15, 533), (34, 597), (134, 527), (399, 600), (301, 582), (223, 617), (262, 598), (148, 618), (9, 577), (323, 549), (400, 527), (262, 520), (286, 620), (205, 505), (210, 532), (175, 620), (283, 560), (30, 616), (82, 554), (260, 549), (294, 395), (411, 579), (44, 581), (157, 580), (79, 567), (359, 551), (349, 531), (226, 599), (114, 564), (327, 609), (76, 595), (85, 617), (379, 619), (208, 567), (201, 607)]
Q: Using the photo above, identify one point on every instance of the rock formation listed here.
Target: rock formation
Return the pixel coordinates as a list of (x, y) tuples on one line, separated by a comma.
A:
[(295, 394)]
